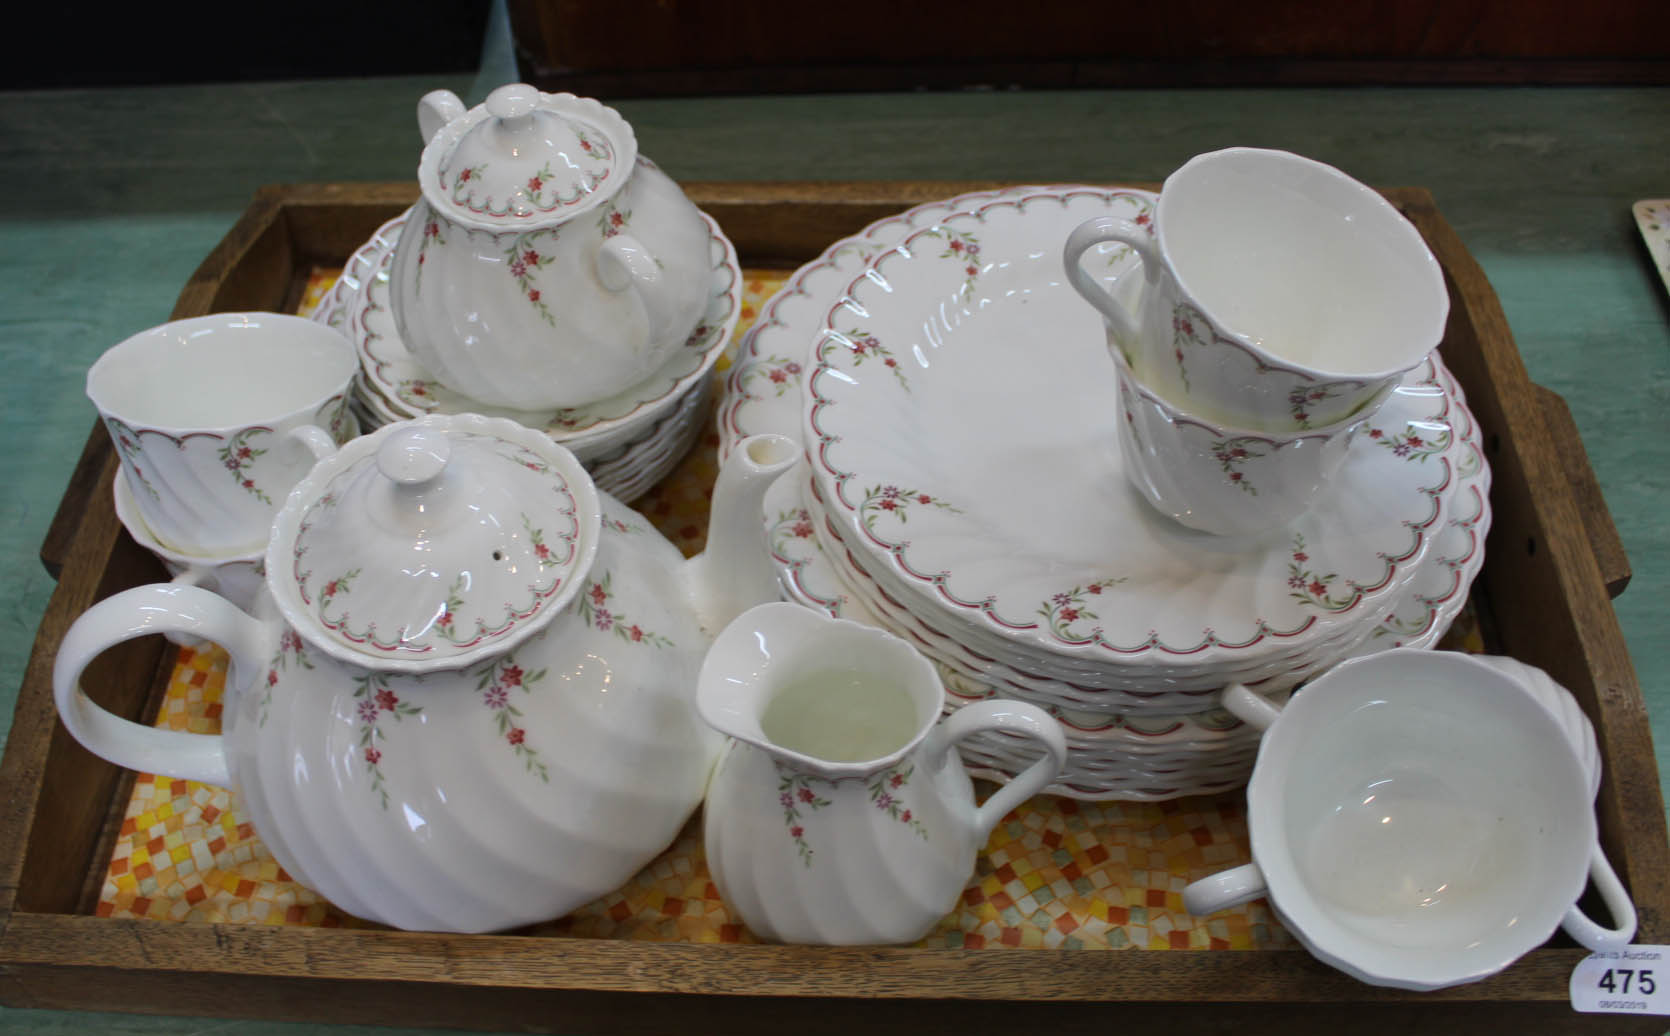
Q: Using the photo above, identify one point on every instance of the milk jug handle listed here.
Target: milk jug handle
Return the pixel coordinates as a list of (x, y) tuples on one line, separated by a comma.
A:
[(159, 608), (1110, 228), (1012, 717)]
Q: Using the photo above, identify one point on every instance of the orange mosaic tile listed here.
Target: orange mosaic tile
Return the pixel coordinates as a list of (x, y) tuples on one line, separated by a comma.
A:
[(1056, 873)]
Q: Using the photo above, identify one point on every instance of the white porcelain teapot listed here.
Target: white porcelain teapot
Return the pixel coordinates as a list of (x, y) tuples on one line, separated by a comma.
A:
[(465, 698), (547, 264)]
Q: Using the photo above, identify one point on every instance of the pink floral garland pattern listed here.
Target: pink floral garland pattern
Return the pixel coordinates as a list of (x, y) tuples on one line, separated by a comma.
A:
[(593, 608), (781, 373), (1231, 454), (1301, 398), (897, 502), (377, 701), (126, 441), (1409, 445), (238, 455), (963, 248), (884, 795), (289, 644), (794, 793), (863, 345), (524, 261), (1312, 588), (497, 680), (431, 236), (1070, 606)]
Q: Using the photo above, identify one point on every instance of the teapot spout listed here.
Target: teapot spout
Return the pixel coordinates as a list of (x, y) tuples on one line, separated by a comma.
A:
[(734, 572)]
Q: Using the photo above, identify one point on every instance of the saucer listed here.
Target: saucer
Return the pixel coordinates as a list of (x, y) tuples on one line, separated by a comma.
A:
[(961, 424), (360, 308)]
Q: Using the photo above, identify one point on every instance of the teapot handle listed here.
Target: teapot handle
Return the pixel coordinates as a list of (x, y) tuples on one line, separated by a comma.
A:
[(1012, 717), (159, 608), (623, 262)]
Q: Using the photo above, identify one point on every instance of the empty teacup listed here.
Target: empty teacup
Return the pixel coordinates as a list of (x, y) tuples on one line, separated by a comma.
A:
[(1418, 819), (215, 418), (1279, 294)]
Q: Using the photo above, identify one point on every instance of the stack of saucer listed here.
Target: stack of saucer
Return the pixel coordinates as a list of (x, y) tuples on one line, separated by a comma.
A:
[(965, 489), (628, 441)]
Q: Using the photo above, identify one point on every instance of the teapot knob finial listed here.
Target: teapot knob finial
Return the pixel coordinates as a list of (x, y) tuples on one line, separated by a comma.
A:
[(513, 102), (415, 456)]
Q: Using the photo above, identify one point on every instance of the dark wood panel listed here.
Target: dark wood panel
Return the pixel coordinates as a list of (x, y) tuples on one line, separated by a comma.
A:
[(637, 47)]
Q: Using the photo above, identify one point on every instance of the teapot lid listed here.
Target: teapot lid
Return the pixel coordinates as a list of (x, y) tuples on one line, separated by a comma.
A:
[(433, 543), (525, 157)]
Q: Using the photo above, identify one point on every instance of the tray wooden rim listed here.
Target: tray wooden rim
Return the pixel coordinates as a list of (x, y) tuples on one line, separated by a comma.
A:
[(43, 951)]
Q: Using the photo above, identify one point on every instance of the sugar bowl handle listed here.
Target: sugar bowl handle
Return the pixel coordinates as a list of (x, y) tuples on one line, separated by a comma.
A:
[(1225, 889), (624, 263), (159, 608), (1110, 228), (1012, 717), (435, 109)]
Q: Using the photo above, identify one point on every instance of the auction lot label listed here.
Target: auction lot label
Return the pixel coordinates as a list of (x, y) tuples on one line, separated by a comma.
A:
[(1631, 980)]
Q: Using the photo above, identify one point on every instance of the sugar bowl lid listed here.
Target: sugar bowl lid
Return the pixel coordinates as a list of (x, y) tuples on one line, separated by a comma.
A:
[(526, 158), (431, 544)]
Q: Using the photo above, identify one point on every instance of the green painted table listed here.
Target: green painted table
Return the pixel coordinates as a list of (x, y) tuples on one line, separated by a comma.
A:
[(112, 197)]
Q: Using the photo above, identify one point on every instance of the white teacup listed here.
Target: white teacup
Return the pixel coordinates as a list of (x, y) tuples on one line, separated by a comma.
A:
[(215, 418), (1279, 294), (1419, 819), (1222, 480)]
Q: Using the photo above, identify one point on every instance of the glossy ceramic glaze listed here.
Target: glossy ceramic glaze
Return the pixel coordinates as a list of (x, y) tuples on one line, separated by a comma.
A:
[(460, 776), (870, 836), (1223, 480), (215, 418), (550, 266), (945, 409), (763, 388), (396, 385), (1420, 820), (1279, 294)]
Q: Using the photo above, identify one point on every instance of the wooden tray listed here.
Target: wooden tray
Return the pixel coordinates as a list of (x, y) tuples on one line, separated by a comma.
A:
[(1544, 591)]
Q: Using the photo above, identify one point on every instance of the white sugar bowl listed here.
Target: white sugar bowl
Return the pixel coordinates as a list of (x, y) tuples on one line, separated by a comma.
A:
[(465, 699), (547, 263)]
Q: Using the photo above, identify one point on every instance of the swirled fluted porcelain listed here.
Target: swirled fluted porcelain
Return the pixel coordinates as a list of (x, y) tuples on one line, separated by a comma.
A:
[(840, 812), (491, 750), (547, 264)]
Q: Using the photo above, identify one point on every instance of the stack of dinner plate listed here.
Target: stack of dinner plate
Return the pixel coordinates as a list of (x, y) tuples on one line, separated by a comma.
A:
[(628, 441), (964, 489)]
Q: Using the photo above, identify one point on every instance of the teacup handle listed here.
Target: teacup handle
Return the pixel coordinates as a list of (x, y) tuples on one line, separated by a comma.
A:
[(1587, 932), (1225, 889), (159, 608), (1094, 232), (623, 262), (1015, 717)]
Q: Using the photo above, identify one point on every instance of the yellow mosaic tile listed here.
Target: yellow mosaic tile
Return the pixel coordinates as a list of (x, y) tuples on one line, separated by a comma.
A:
[(1055, 873)]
